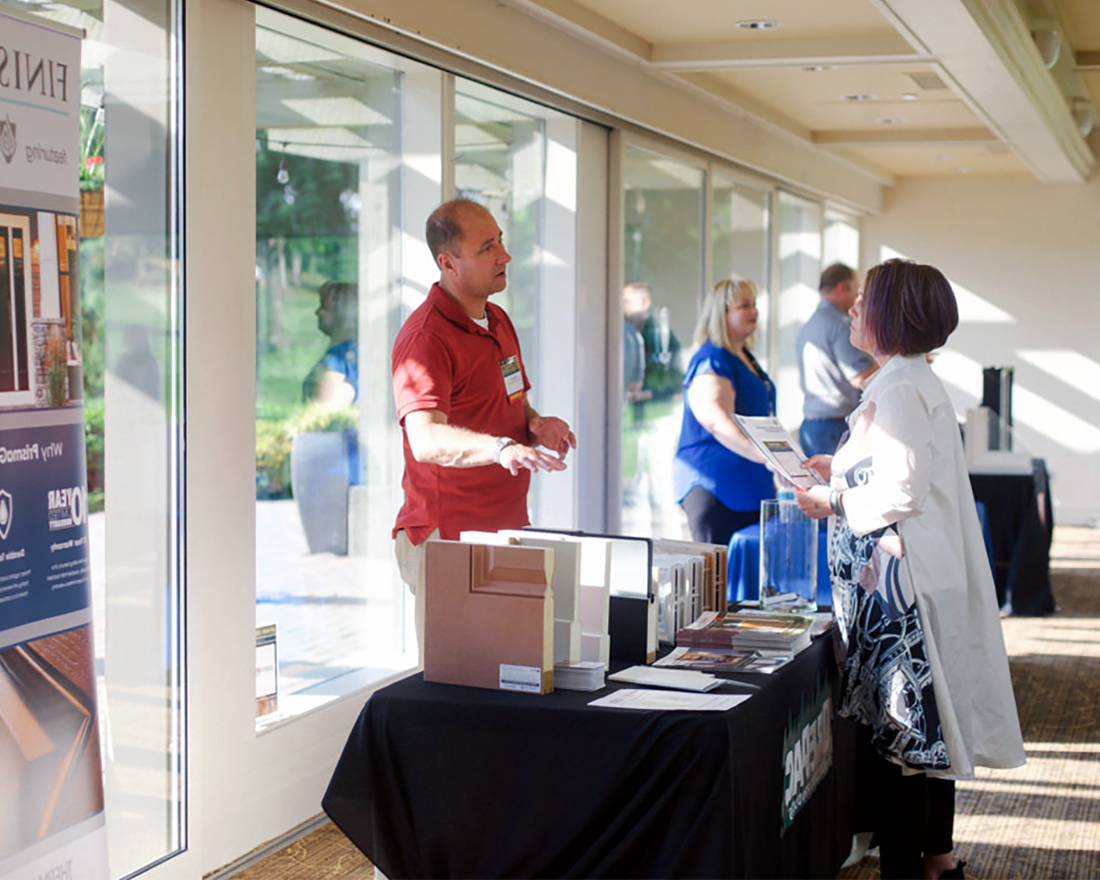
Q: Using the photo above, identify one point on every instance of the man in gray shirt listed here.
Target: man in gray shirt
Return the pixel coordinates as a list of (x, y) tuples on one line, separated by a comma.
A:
[(831, 370)]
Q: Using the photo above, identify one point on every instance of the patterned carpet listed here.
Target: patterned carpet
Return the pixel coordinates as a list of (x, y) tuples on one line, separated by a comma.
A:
[(1039, 821)]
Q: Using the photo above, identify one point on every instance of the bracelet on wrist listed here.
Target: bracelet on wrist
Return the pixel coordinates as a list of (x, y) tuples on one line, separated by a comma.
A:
[(834, 502)]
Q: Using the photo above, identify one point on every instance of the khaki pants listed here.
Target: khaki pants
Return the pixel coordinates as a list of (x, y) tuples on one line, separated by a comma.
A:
[(410, 562)]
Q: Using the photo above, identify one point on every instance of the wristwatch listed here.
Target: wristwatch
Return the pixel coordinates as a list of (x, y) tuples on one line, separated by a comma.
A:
[(501, 443)]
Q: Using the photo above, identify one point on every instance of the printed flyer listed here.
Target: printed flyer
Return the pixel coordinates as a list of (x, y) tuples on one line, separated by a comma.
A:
[(52, 822)]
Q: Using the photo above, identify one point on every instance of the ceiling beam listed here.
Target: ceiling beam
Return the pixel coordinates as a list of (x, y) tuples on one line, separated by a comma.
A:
[(1087, 61), (988, 56), (683, 57), (907, 137), (585, 24)]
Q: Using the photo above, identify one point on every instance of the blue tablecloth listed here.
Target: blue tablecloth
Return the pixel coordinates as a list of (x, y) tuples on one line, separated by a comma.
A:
[(744, 562)]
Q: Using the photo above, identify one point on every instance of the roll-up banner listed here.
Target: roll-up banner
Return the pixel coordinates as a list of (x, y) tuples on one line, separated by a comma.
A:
[(52, 821)]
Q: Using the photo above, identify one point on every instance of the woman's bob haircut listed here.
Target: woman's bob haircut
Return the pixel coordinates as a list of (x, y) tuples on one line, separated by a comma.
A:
[(908, 308), (712, 317)]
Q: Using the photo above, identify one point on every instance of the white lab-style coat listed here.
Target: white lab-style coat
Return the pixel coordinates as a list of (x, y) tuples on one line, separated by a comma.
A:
[(918, 482)]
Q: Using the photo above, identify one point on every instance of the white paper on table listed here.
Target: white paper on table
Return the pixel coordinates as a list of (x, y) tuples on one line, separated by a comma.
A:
[(664, 701)]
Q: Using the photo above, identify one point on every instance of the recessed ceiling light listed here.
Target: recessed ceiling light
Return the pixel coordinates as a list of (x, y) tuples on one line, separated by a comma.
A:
[(758, 24), (856, 97), (891, 120), (815, 68), (961, 169), (909, 96)]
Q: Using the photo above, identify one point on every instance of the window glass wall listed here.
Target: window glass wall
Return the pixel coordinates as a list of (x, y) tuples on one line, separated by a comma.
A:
[(500, 161), (840, 240), (500, 158), (518, 159), (126, 342), (741, 245), (349, 151), (328, 195), (800, 244), (663, 244)]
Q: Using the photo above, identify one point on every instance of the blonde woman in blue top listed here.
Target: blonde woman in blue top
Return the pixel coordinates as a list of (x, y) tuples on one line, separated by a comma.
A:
[(718, 476)]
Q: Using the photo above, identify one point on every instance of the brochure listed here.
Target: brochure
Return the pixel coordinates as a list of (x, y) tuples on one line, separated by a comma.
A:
[(717, 660), (779, 448), (634, 698), (748, 631)]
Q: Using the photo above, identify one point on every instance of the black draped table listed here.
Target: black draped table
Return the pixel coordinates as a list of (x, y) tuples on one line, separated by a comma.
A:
[(1021, 526), (444, 781)]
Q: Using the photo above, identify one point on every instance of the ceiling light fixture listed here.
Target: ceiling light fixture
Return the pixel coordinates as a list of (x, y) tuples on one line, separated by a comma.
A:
[(909, 96), (857, 97), (1049, 44), (817, 68), (759, 24), (1084, 115)]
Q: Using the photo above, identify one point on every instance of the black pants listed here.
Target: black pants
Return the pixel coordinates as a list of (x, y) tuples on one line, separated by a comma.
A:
[(711, 521), (916, 818)]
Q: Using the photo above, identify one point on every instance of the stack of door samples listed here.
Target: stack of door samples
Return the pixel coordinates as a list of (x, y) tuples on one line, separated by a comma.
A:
[(529, 609)]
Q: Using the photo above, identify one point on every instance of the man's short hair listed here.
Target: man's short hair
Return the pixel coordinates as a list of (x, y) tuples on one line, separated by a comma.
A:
[(908, 308), (637, 298), (443, 230), (835, 275)]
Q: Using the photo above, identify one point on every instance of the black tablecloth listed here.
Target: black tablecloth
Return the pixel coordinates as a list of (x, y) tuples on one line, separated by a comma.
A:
[(1021, 526), (444, 781)]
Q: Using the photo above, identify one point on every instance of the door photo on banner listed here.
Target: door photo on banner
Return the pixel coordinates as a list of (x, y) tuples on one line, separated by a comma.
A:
[(52, 821)]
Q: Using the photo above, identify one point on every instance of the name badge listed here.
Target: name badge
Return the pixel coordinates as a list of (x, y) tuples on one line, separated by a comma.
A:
[(513, 377)]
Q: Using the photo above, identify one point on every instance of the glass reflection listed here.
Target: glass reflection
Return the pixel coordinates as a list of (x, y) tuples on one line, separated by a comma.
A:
[(504, 159), (328, 159), (500, 150), (800, 252), (741, 231), (663, 263)]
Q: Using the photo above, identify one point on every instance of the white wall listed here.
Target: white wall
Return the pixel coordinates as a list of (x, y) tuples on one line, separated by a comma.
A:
[(1025, 263)]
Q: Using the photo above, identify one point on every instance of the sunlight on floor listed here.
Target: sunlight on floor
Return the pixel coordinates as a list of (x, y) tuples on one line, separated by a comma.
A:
[(1075, 547), (1053, 834)]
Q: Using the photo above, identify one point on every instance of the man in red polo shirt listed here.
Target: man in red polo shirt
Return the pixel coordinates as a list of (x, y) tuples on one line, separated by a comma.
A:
[(471, 435)]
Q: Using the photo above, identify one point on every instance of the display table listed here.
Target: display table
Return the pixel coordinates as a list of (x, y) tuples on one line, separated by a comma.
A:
[(1021, 526), (744, 566), (445, 781)]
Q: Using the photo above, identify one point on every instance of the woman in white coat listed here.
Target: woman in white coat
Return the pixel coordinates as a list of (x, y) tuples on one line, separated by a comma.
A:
[(925, 665)]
